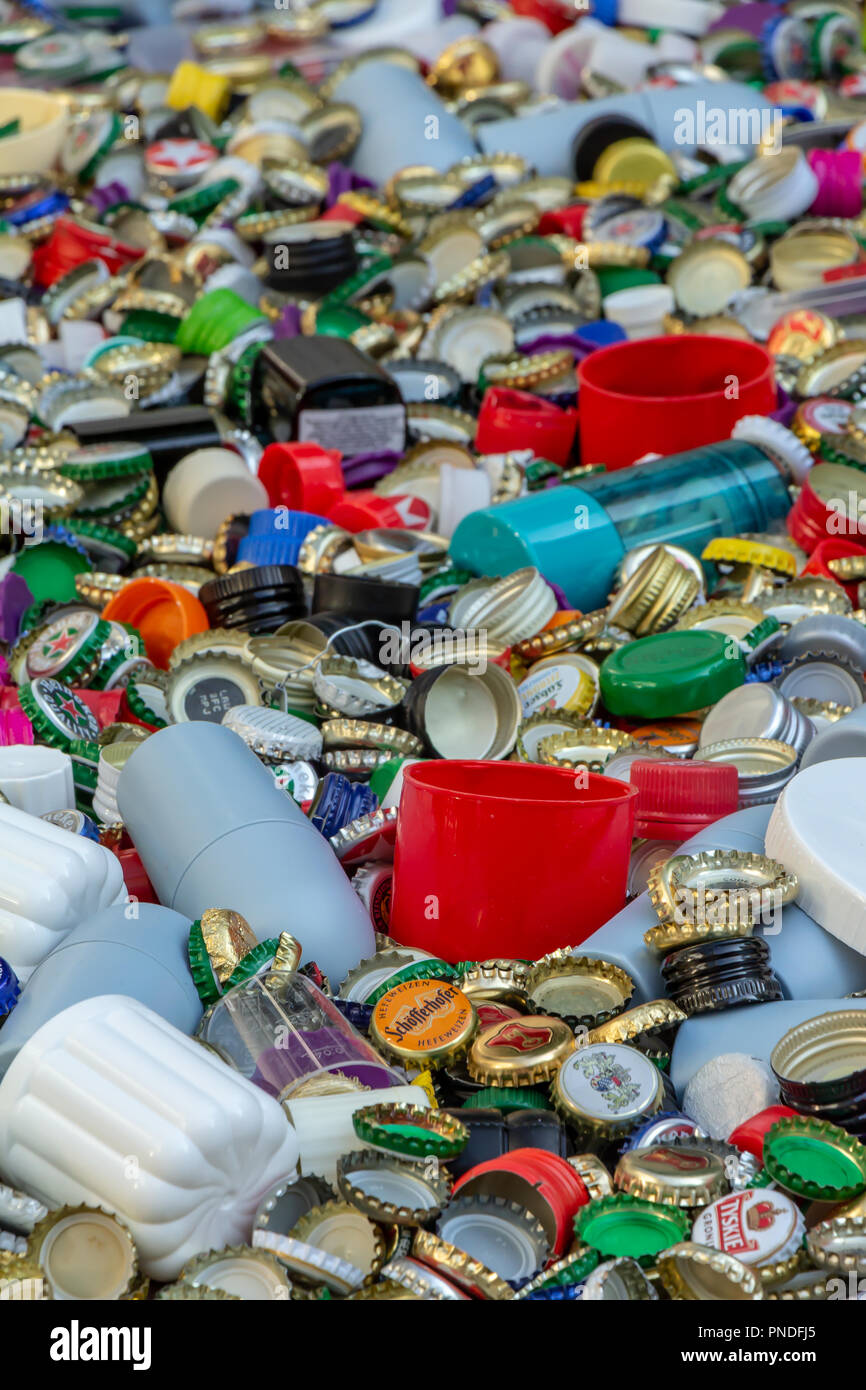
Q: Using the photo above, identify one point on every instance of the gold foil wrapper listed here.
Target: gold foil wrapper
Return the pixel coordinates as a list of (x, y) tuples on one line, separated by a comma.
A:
[(228, 937)]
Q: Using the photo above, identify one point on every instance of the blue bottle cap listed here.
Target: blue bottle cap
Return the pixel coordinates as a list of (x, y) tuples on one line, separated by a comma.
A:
[(76, 822), (640, 227), (478, 192), (9, 988), (339, 801), (666, 1125), (601, 333)]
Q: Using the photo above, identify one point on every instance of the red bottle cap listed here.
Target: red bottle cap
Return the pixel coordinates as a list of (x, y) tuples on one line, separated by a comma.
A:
[(510, 420), (676, 799), (342, 212), (304, 477), (138, 885), (569, 221), (834, 548), (845, 272), (751, 1133), (552, 1195), (363, 510), (72, 242), (553, 13)]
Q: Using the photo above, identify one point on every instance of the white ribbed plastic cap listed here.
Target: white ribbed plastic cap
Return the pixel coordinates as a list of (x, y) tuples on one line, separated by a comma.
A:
[(818, 831)]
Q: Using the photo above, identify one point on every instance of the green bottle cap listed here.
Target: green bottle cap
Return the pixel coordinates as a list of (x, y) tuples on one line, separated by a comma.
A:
[(95, 462), (626, 1225), (49, 569), (417, 970), (340, 320), (145, 695), (815, 1159), (624, 277), (200, 967), (102, 543), (671, 673), (57, 714), (214, 321), (383, 776), (150, 325), (507, 1099), (410, 1130), (255, 962)]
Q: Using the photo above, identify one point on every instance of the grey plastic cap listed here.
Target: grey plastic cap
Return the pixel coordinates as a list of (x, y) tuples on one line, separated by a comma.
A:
[(214, 830), (137, 949), (844, 739), (805, 958), (404, 122)]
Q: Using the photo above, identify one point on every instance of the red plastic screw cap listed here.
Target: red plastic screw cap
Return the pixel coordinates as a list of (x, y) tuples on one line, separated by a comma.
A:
[(676, 799)]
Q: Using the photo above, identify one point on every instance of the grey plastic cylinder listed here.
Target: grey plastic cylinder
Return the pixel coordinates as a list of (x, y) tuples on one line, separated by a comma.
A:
[(806, 959), (546, 139), (844, 739), (754, 1029), (214, 830), (143, 956), (404, 122)]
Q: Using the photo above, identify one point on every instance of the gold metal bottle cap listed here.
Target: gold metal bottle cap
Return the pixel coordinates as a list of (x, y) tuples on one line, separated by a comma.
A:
[(340, 1229), (657, 592), (392, 1190), (240, 1270), (829, 1046), (466, 64), (596, 1178), (85, 1253), (656, 1015), (605, 1089), (502, 979), (676, 1176), (591, 748), (429, 1021), (832, 368), (462, 1269), (839, 1244), (520, 1051), (693, 1273), (578, 988), (720, 886)]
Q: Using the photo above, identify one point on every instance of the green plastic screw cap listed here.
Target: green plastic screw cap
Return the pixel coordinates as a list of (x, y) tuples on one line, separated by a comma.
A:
[(671, 673)]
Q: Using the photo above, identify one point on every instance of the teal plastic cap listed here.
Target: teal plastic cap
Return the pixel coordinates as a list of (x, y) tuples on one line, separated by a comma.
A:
[(564, 532)]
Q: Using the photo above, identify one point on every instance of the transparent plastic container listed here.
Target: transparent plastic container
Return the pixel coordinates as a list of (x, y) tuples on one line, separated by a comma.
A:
[(282, 1033)]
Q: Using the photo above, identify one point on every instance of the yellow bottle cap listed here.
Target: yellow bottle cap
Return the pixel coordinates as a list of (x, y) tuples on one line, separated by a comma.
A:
[(633, 159), (192, 85)]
